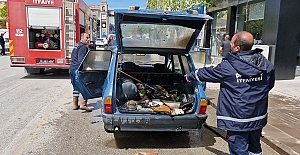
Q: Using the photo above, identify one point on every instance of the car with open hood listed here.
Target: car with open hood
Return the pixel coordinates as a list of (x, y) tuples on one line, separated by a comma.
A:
[(141, 78)]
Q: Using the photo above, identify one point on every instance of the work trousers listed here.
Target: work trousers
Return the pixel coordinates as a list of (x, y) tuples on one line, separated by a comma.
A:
[(75, 90), (244, 143)]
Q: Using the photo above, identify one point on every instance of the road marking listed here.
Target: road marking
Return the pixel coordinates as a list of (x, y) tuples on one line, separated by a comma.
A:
[(37, 129)]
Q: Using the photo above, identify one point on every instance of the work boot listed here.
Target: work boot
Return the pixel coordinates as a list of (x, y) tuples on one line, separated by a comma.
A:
[(75, 103), (84, 106)]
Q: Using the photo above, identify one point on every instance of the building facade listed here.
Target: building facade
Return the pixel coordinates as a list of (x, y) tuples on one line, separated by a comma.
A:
[(105, 18), (273, 23)]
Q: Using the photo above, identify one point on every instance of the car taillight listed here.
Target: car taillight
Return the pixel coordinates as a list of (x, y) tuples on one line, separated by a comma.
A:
[(68, 61), (203, 106), (108, 105)]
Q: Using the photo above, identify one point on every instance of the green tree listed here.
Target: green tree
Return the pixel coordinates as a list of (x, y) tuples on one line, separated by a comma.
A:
[(255, 28), (3, 14), (178, 5)]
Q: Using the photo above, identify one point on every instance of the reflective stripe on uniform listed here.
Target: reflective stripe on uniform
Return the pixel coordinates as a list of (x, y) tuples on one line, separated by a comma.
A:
[(250, 153), (196, 75), (75, 93), (242, 120)]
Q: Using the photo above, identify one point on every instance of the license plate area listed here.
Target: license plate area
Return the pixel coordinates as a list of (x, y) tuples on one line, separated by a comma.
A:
[(45, 61)]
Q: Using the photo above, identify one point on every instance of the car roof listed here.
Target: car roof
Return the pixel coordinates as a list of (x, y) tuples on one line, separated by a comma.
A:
[(125, 17)]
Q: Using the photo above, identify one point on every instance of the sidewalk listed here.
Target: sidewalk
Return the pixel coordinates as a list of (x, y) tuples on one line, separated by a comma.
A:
[(283, 128)]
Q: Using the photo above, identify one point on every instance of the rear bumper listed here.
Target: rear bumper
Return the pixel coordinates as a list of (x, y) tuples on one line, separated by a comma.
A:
[(150, 122), (41, 66)]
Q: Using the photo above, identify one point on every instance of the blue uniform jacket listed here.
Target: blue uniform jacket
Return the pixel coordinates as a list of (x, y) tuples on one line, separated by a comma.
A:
[(245, 81), (77, 56)]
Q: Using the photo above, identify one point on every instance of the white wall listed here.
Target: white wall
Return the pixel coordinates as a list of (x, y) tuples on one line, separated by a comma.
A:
[(6, 35)]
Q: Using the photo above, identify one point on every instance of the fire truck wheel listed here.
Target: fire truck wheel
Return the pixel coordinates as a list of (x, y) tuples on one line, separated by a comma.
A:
[(35, 70), (42, 70)]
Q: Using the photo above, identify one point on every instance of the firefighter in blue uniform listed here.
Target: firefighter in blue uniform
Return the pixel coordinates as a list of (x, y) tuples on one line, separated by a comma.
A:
[(77, 56), (245, 78)]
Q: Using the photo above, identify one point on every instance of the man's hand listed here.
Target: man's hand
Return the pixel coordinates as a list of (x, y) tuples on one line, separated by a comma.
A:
[(186, 78)]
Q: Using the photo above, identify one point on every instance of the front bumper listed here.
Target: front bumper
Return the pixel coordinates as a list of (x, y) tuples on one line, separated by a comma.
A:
[(152, 122)]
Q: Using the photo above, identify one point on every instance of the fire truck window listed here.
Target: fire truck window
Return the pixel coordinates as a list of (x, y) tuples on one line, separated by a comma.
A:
[(44, 39)]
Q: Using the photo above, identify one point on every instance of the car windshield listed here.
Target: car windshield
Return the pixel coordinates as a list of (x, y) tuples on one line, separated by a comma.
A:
[(155, 35)]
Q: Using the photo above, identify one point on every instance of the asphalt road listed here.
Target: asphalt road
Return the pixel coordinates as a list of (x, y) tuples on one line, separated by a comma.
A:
[(37, 118)]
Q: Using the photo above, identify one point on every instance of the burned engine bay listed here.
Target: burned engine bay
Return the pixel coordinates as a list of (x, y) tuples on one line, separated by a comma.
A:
[(154, 93)]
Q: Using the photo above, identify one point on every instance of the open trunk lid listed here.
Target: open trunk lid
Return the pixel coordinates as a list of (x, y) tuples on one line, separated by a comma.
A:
[(152, 31)]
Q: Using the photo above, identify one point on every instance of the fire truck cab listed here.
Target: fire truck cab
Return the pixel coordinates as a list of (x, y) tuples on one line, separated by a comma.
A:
[(44, 32)]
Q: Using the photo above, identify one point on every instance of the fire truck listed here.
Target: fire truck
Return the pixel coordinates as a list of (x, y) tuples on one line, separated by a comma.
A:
[(43, 33)]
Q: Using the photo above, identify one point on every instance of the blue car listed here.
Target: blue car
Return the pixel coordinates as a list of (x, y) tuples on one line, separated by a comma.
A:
[(141, 79)]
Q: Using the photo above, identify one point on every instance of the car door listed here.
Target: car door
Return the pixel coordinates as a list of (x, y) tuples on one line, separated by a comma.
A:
[(91, 75)]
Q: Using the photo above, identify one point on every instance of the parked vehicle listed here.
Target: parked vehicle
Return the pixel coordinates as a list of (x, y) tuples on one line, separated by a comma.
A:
[(142, 82), (101, 43), (44, 33)]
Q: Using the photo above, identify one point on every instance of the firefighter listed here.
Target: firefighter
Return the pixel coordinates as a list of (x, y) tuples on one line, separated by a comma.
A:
[(245, 78), (77, 56)]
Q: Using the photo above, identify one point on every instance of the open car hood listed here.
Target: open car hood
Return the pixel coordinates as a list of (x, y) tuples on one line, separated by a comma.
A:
[(149, 31)]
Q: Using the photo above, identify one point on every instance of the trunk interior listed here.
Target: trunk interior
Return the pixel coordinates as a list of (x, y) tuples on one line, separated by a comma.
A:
[(153, 91)]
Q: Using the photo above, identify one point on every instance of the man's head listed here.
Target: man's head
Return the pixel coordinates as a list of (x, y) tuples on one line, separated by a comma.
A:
[(84, 38), (227, 37), (241, 41)]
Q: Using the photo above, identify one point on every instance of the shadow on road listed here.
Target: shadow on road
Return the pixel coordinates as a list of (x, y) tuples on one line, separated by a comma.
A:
[(152, 140), (95, 103), (218, 152), (191, 139), (50, 74)]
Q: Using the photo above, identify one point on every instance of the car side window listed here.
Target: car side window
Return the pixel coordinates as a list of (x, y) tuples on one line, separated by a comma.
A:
[(177, 66), (199, 59), (96, 60), (185, 63)]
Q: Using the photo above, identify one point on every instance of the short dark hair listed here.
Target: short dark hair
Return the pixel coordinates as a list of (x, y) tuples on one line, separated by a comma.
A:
[(242, 42), (227, 37)]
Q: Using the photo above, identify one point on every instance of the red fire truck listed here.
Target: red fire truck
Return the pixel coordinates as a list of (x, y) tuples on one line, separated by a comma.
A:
[(44, 32)]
